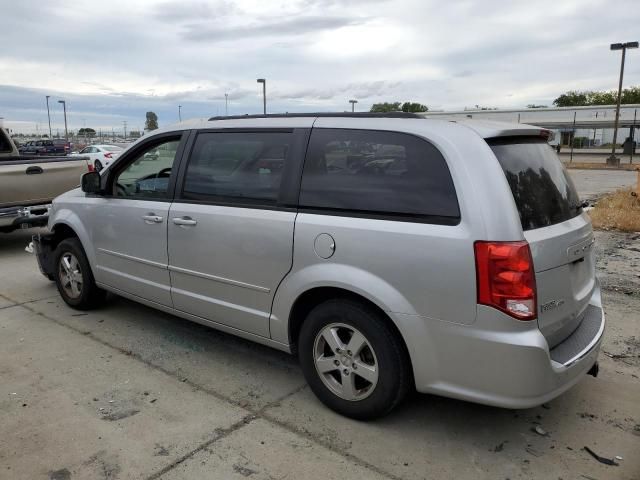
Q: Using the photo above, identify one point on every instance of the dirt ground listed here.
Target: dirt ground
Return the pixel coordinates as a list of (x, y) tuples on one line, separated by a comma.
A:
[(126, 392)]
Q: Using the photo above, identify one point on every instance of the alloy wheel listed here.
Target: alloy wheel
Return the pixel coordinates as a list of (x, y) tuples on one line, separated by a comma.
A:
[(345, 361), (70, 275)]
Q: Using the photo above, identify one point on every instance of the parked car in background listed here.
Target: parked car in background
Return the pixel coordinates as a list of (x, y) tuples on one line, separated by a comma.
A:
[(28, 148), (57, 146), (369, 245), (28, 183), (101, 156)]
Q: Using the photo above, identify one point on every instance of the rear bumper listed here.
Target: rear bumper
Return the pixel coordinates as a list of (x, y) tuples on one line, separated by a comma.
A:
[(498, 361), (24, 217)]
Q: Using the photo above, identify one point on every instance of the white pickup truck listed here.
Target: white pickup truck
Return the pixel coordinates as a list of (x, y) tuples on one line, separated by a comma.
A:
[(29, 183)]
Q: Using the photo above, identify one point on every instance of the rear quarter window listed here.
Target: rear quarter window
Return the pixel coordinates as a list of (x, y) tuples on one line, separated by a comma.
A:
[(378, 173), (542, 189)]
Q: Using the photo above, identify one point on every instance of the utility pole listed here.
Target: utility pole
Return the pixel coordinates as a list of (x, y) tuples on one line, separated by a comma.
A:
[(263, 81), (633, 136), (180, 113), (226, 104), (66, 132), (124, 122), (613, 160), (573, 136), (49, 116)]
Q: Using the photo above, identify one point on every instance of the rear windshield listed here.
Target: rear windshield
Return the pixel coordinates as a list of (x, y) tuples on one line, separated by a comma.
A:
[(541, 187), (110, 148)]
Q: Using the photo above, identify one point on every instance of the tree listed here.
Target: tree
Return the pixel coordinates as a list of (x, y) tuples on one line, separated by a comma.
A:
[(87, 132), (152, 121), (574, 98), (414, 107), (385, 107)]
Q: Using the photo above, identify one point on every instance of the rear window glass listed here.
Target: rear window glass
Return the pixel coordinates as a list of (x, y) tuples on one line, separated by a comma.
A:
[(378, 172), (111, 149), (541, 187)]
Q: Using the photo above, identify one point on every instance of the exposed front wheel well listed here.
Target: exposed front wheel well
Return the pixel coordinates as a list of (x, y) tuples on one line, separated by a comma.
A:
[(311, 298), (61, 232)]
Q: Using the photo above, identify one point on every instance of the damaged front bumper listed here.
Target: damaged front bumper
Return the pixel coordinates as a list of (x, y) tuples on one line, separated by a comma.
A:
[(13, 218), (43, 248)]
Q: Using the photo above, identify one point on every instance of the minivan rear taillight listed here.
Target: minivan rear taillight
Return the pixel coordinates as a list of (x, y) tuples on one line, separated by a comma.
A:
[(505, 277)]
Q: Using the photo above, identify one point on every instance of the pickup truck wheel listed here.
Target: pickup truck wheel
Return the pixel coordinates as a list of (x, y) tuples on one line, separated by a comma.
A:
[(352, 359), (98, 165), (74, 278)]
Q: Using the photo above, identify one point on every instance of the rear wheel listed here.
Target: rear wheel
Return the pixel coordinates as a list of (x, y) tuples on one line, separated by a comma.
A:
[(74, 278), (98, 165), (353, 360)]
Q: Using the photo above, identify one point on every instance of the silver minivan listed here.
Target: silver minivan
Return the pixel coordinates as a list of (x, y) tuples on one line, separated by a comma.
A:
[(389, 252)]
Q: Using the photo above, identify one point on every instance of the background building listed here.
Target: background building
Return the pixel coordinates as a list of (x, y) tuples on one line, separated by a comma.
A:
[(590, 126)]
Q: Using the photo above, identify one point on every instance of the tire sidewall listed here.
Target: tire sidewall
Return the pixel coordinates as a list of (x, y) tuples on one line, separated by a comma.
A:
[(378, 334), (73, 246)]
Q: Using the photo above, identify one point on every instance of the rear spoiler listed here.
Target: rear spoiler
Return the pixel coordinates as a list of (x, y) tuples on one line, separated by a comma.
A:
[(492, 129)]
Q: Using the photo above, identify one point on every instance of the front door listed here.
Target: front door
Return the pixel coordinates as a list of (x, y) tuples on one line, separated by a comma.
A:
[(130, 225), (230, 237)]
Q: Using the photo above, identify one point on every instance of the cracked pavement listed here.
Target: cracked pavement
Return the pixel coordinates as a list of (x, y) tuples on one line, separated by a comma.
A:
[(129, 392)]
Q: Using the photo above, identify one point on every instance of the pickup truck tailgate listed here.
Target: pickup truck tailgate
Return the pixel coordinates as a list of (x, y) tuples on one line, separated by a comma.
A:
[(31, 181)]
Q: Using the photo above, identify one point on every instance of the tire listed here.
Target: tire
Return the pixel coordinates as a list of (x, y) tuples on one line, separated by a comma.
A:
[(74, 278), (98, 165), (383, 352)]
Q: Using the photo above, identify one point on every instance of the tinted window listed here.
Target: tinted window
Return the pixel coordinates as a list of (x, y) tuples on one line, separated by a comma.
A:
[(541, 187), (377, 172), (5, 146), (148, 174), (242, 167)]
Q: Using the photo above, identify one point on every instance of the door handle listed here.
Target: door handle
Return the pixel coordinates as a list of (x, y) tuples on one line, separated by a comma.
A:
[(33, 170), (152, 218), (184, 221)]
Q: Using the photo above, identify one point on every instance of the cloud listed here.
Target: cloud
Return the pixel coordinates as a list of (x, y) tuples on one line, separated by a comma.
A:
[(177, 11), (304, 25), (131, 57)]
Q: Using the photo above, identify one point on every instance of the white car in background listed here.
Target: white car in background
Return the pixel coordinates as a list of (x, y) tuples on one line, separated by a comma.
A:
[(101, 155)]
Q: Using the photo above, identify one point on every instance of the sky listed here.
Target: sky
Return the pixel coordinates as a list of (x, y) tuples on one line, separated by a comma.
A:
[(113, 61)]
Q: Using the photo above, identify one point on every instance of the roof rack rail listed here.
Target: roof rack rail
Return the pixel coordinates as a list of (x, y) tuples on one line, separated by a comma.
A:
[(322, 114)]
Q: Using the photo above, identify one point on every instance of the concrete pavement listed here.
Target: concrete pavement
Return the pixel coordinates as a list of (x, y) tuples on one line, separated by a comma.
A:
[(129, 392), (592, 183)]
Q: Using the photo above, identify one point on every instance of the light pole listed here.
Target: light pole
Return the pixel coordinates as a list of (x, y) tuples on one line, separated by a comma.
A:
[(66, 132), (49, 116), (263, 81), (226, 104), (180, 113), (353, 105), (613, 160)]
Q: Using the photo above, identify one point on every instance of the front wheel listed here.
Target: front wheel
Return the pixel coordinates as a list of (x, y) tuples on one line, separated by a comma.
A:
[(353, 360), (74, 278)]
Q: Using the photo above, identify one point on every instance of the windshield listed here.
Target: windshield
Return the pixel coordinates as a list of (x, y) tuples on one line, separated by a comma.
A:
[(542, 189)]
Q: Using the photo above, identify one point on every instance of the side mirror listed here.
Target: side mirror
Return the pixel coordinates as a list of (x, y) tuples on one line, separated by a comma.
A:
[(90, 182)]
